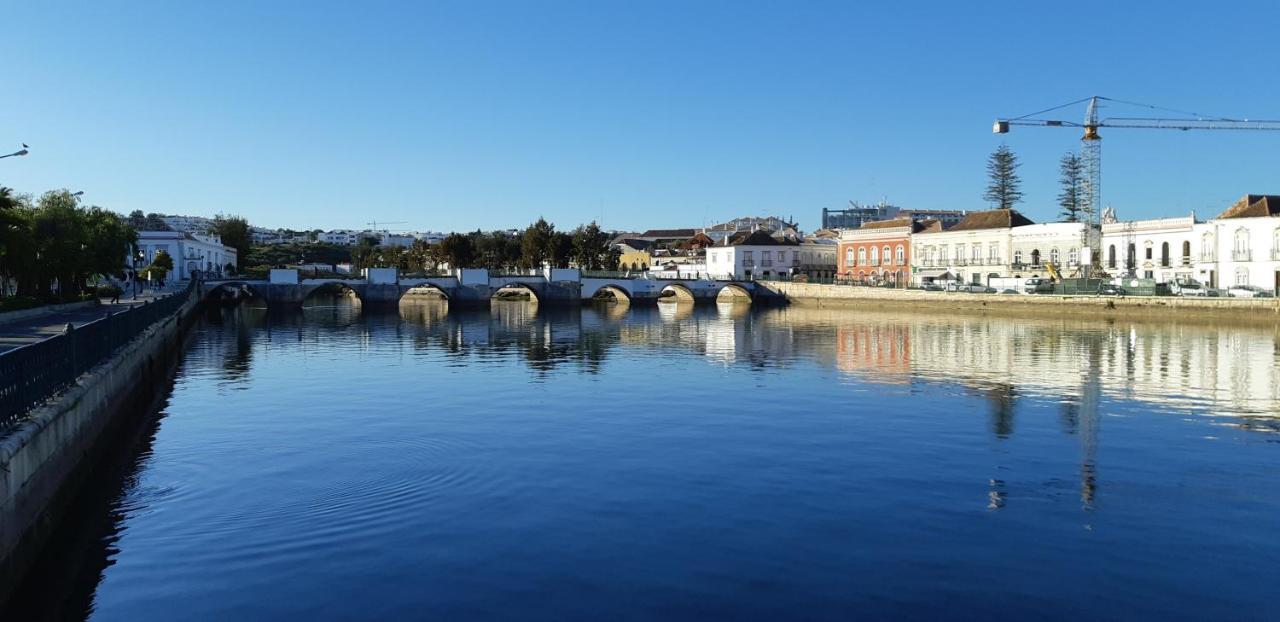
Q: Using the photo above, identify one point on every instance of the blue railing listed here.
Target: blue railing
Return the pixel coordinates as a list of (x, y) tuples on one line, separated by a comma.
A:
[(33, 373)]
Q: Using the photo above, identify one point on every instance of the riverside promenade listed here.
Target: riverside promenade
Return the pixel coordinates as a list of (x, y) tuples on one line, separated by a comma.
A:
[(1133, 307), (33, 328)]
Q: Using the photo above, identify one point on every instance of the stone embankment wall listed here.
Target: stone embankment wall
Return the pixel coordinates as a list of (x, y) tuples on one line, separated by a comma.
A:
[(44, 460), (1156, 307)]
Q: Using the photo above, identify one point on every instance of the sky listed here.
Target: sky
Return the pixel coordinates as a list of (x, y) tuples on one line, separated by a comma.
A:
[(456, 116)]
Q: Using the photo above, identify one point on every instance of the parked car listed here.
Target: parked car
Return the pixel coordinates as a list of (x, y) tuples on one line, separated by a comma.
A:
[(1107, 289), (1010, 291), (1249, 291), (1188, 288), (931, 287), (972, 288)]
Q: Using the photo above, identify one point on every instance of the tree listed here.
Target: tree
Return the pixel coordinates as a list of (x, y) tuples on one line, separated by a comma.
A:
[(138, 220), (457, 251), (590, 247), (537, 244), (234, 232), (161, 265), (1002, 169), (1071, 198), (154, 222)]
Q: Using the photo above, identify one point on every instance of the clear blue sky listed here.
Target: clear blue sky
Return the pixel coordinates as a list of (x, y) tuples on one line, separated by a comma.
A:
[(642, 114)]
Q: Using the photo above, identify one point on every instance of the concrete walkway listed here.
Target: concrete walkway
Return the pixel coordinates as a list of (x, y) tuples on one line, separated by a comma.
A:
[(22, 332)]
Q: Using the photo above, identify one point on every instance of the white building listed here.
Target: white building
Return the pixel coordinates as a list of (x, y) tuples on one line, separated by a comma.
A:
[(191, 253), (188, 224), (1035, 247), (1239, 247), (976, 250), (759, 255), (346, 237), (1246, 243), (1166, 250)]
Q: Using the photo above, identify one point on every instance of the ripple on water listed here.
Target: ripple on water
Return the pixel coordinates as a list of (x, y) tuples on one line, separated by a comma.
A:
[(384, 495)]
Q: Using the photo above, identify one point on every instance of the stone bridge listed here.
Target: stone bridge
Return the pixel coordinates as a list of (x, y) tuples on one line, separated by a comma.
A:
[(476, 287)]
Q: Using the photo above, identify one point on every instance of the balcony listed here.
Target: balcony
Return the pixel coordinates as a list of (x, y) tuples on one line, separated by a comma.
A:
[(1242, 255), (766, 263), (960, 262), (1207, 258), (1186, 262)]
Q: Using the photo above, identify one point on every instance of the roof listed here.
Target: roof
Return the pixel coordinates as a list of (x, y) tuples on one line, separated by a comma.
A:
[(886, 224), (991, 219), (1254, 206), (701, 238), (756, 238), (669, 233), (636, 244)]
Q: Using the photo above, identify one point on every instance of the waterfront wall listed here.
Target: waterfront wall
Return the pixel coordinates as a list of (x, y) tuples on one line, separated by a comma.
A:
[(43, 461), (875, 297)]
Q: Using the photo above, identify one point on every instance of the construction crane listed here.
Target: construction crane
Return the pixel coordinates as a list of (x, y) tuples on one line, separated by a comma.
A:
[(1091, 141), (374, 224)]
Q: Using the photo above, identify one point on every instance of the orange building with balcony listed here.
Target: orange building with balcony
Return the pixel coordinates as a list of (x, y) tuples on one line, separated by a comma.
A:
[(880, 252)]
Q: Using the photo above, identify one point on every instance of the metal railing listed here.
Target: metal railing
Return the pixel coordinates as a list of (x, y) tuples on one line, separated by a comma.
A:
[(1242, 255), (33, 373)]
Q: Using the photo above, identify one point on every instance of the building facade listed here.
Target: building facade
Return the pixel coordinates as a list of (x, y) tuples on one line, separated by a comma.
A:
[(753, 255), (1036, 248), (880, 251), (976, 250), (1245, 240), (1164, 249), (193, 254)]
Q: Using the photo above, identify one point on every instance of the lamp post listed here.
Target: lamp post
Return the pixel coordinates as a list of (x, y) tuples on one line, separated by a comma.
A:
[(21, 152)]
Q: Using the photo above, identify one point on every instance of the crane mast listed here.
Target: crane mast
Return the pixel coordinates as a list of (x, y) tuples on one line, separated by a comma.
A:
[(1091, 158)]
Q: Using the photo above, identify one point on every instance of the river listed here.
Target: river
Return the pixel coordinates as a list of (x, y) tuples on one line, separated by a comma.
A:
[(680, 462)]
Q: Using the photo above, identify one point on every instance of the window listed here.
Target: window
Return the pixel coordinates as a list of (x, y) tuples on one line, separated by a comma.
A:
[(1073, 256), (1053, 256), (976, 253), (993, 254), (848, 256), (1017, 257), (1241, 249), (1148, 251), (901, 255), (1242, 276), (887, 256), (862, 256), (766, 255), (1206, 247), (1111, 256), (1035, 257), (959, 256), (1186, 253), (1164, 254), (1132, 259)]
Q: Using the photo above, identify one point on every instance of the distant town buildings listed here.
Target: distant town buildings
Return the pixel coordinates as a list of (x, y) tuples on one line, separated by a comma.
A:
[(856, 215)]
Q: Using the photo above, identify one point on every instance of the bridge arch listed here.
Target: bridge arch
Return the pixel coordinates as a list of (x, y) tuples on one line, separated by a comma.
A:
[(676, 292), (226, 290), (424, 290), (516, 286), (619, 293), (733, 291), (334, 288)]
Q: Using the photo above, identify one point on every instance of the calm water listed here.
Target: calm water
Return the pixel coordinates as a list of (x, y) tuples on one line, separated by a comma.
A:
[(680, 463)]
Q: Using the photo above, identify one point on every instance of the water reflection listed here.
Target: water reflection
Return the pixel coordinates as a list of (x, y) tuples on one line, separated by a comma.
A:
[(696, 440)]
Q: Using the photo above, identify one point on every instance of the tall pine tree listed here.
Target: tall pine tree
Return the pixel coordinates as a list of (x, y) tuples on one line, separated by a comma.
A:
[(1002, 169), (1071, 198)]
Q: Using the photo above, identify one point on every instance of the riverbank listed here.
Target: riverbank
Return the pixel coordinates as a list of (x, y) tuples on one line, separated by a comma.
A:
[(1165, 307), (43, 460)]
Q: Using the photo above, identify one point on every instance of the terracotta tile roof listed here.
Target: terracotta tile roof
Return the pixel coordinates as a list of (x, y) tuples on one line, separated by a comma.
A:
[(886, 224), (1253, 206), (992, 219)]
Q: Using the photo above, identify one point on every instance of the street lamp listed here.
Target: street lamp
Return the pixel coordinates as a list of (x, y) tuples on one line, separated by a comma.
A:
[(21, 152)]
